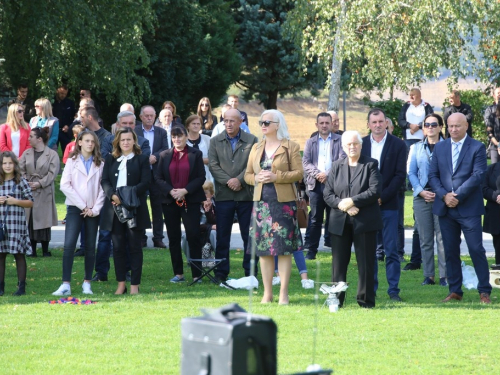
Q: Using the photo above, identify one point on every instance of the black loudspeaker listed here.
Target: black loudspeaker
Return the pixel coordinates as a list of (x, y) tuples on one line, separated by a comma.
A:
[(225, 342)]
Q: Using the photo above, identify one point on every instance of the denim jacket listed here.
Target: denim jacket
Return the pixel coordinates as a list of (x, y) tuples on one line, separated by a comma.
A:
[(417, 165)]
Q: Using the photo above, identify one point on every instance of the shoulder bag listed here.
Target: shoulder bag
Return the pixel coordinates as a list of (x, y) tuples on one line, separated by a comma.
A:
[(302, 212)]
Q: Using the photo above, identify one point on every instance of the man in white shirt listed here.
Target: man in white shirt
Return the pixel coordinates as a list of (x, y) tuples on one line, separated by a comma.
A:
[(411, 117)]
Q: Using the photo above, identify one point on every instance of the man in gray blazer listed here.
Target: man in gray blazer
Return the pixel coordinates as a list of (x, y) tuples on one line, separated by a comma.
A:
[(319, 153)]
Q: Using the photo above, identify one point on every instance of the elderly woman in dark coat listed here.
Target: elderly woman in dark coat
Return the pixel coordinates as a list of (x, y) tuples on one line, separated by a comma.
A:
[(126, 166)]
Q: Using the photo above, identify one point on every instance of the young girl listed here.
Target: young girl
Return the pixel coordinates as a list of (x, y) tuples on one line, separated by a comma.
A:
[(15, 195), (81, 183), (71, 146)]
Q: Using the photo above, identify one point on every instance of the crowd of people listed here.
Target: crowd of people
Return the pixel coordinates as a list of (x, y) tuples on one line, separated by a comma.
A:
[(206, 173)]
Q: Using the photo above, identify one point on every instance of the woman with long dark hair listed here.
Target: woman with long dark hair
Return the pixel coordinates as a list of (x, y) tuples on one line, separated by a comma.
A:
[(208, 120)]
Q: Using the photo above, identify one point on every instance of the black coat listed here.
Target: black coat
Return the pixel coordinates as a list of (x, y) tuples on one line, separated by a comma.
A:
[(491, 190), (196, 176), (364, 188), (160, 142), (138, 175)]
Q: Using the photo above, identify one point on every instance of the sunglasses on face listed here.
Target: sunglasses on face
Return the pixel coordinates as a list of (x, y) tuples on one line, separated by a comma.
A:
[(267, 123), (431, 125), (204, 105), (19, 111)]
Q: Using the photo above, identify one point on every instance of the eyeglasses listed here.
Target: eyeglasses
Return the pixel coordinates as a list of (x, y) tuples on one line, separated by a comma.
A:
[(431, 125), (20, 111), (204, 105), (267, 123)]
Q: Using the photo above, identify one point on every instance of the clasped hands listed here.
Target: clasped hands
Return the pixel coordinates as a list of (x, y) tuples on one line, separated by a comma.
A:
[(87, 212), (265, 177), (450, 200), (347, 205), (178, 194), (7, 199), (34, 185)]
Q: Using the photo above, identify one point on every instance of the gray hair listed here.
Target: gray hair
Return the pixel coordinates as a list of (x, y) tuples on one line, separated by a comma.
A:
[(280, 119), (127, 107), (348, 134), (124, 114), (147, 106)]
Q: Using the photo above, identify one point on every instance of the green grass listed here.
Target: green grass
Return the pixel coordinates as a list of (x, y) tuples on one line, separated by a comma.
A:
[(142, 334)]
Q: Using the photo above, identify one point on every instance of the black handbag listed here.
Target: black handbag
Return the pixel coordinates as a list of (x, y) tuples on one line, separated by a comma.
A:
[(126, 211), (3, 226)]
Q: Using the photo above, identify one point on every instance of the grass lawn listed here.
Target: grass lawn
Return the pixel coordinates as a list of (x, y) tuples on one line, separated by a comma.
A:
[(141, 334)]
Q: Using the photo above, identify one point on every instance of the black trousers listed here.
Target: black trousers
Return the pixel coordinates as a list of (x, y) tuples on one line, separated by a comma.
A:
[(155, 198), (364, 247), (120, 234), (173, 215)]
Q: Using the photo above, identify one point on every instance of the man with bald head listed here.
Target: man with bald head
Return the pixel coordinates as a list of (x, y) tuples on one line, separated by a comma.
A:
[(411, 117), (228, 158), (457, 169)]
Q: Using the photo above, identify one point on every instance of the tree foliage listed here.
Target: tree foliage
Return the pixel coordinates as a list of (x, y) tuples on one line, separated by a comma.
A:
[(391, 44), (272, 61), (192, 53), (95, 44)]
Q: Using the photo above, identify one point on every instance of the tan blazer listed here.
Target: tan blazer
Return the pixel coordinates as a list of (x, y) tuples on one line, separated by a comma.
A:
[(285, 176)]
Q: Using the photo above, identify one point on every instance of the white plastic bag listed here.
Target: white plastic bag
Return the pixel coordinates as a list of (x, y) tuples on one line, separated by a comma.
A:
[(469, 276), (244, 283)]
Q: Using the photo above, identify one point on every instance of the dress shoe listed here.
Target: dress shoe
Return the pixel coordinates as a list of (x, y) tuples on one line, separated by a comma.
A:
[(159, 244), (442, 281), (452, 297), (47, 254), (395, 298), (411, 266), (327, 244), (219, 279), (311, 255), (428, 281), (98, 277), (79, 253), (485, 298)]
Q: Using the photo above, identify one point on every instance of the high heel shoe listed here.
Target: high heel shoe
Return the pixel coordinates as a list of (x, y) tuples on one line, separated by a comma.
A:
[(124, 292)]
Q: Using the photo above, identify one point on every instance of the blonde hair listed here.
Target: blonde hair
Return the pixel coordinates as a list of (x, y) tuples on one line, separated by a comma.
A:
[(13, 120), (209, 186), (46, 107)]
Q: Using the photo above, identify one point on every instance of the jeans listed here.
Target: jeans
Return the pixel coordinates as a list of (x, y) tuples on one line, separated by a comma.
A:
[(300, 262), (74, 221), (318, 207), (428, 225), (225, 217), (326, 233), (392, 263)]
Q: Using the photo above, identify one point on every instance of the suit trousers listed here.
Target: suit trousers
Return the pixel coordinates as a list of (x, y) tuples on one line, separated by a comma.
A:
[(364, 248), (190, 217), (122, 235), (318, 207), (392, 262), (451, 225)]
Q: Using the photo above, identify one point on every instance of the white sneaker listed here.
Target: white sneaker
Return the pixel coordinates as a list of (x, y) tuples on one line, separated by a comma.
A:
[(308, 284), (276, 280), (64, 290), (86, 288)]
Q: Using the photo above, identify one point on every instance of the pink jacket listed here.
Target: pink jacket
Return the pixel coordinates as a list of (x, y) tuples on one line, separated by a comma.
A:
[(83, 190), (6, 140)]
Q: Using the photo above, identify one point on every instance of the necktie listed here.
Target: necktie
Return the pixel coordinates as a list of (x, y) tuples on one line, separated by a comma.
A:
[(456, 152)]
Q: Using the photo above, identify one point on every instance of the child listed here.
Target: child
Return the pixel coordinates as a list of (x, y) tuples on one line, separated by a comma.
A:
[(71, 146), (15, 196)]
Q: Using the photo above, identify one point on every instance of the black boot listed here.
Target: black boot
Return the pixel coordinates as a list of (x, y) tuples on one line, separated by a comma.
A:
[(47, 254), (21, 289), (2, 288)]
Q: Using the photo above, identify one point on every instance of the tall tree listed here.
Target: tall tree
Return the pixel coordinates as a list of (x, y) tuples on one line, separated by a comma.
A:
[(271, 60), (394, 44), (192, 53), (95, 43)]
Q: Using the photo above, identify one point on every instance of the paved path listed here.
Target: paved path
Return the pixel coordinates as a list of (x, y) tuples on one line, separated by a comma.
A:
[(237, 243)]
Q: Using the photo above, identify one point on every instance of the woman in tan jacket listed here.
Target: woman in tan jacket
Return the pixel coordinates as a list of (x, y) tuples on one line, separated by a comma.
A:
[(274, 165)]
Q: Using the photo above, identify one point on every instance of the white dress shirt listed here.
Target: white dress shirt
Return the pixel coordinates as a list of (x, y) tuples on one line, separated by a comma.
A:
[(377, 148)]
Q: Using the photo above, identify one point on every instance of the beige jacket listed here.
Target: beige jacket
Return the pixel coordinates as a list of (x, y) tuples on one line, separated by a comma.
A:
[(286, 175)]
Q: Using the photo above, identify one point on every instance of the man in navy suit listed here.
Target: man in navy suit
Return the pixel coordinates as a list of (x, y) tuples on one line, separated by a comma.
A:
[(390, 152), (456, 172)]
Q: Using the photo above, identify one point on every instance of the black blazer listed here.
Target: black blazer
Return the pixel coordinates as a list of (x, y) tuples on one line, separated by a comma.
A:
[(392, 169), (491, 190), (365, 189), (138, 175), (196, 176), (160, 142)]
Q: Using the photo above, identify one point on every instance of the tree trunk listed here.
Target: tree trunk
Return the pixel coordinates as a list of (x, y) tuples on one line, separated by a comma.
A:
[(334, 98), (272, 100)]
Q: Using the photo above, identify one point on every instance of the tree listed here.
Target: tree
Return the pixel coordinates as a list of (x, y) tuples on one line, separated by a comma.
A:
[(394, 44), (192, 53), (272, 61), (95, 44)]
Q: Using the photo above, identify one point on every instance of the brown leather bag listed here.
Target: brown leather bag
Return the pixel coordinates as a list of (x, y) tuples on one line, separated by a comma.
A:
[(302, 212)]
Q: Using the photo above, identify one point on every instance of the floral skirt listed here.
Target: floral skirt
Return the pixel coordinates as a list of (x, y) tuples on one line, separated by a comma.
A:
[(274, 229)]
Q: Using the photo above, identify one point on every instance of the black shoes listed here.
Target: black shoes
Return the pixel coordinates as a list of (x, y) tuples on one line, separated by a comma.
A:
[(311, 255), (428, 281), (442, 281), (159, 244), (2, 288), (79, 253), (411, 266), (395, 298), (98, 277), (47, 254), (21, 289)]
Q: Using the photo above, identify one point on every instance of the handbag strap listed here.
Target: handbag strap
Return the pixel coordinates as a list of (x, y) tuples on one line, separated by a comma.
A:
[(295, 190)]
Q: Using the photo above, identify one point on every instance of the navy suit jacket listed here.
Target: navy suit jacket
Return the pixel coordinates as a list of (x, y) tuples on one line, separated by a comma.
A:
[(160, 142), (465, 181), (392, 168)]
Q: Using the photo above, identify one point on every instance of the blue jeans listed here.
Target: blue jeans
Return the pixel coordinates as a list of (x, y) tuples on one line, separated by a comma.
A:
[(74, 221), (104, 247), (318, 207), (300, 262), (392, 263), (225, 217), (326, 233)]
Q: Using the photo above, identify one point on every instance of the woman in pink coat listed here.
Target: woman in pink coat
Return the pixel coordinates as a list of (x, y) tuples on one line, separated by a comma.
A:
[(14, 134)]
